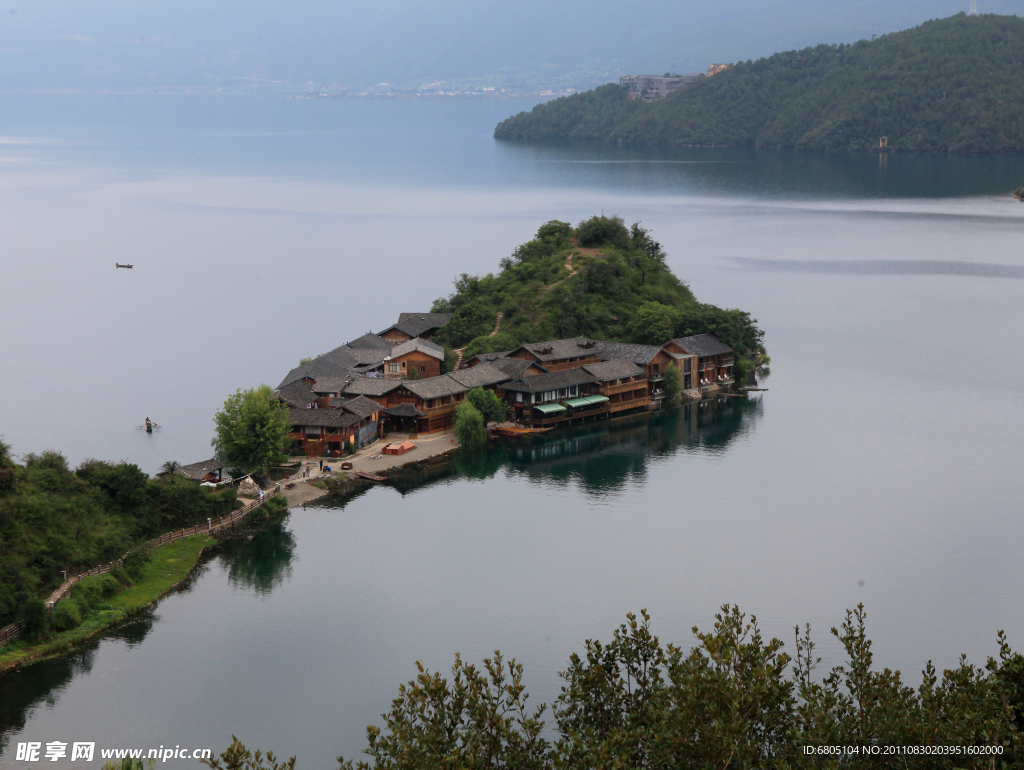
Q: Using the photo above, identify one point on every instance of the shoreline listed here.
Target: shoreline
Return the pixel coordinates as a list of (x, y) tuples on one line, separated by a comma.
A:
[(369, 460), (117, 609), (124, 605)]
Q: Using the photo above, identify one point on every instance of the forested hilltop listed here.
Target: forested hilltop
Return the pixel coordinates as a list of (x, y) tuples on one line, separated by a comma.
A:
[(949, 85), (601, 280)]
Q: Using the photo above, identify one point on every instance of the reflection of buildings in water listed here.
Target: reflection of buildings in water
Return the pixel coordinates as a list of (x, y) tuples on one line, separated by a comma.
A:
[(605, 455)]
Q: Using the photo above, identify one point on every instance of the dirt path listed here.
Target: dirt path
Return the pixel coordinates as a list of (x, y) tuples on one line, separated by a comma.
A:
[(497, 328), (568, 266)]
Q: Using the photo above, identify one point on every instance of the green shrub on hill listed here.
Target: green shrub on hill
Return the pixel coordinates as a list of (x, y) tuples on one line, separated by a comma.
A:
[(617, 288), (53, 519), (949, 85)]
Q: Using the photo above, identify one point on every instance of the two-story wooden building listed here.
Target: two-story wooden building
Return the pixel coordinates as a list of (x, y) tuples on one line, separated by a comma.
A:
[(555, 397), (324, 432), (653, 359), (414, 358), (704, 362), (622, 382)]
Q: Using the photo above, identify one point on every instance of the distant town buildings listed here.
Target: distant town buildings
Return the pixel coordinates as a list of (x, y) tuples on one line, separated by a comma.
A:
[(651, 87)]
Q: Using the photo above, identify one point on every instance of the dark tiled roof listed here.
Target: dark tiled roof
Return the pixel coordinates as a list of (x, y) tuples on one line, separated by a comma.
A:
[(297, 394), (198, 471), (329, 385), (638, 354), (336, 363), (404, 410), (360, 406), (703, 345), (486, 358), (342, 360), (369, 341), (514, 367), (438, 319), (556, 350), (424, 346), (371, 386), (613, 370), (480, 376), (328, 418), (415, 324), (435, 387), (550, 381), (371, 356)]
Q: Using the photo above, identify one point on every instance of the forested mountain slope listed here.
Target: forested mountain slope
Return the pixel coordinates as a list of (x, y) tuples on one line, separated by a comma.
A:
[(950, 85)]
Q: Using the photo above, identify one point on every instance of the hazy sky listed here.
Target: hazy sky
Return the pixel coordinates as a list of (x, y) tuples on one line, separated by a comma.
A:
[(116, 44)]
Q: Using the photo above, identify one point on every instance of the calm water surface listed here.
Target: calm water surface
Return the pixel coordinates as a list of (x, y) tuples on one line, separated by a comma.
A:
[(882, 466)]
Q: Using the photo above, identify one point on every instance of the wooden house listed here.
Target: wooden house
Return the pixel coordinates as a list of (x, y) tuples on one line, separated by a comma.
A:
[(653, 359), (704, 362), (555, 397), (559, 355), (413, 325), (325, 432), (622, 382), (427, 405), (413, 358)]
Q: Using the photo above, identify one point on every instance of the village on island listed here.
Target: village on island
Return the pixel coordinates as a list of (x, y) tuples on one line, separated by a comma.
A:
[(391, 384)]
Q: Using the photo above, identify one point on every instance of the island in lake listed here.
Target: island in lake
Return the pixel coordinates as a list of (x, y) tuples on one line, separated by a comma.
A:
[(949, 85), (580, 323)]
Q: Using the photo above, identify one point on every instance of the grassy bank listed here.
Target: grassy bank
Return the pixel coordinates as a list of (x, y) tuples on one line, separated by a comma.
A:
[(169, 565)]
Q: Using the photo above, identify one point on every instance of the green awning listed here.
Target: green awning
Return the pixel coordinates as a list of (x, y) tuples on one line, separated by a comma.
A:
[(576, 403), (549, 408)]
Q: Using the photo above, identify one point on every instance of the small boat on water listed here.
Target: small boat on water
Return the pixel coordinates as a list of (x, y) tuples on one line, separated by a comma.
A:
[(118, 264), (370, 476), (515, 432)]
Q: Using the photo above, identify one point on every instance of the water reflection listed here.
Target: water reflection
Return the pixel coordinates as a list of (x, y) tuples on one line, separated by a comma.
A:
[(263, 562), (769, 172), (42, 683), (600, 457), (605, 457), (881, 267)]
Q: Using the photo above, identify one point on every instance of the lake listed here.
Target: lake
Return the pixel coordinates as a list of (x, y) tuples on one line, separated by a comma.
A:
[(880, 467)]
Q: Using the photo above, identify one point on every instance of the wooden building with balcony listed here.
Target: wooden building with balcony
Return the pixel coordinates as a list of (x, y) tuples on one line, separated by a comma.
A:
[(324, 432), (623, 383), (544, 400), (705, 363), (654, 360), (428, 406)]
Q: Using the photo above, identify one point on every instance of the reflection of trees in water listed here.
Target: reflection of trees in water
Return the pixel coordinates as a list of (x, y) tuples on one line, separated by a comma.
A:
[(262, 563), (42, 683)]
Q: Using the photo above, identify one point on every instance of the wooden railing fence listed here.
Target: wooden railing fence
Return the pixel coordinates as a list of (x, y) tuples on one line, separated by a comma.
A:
[(12, 631)]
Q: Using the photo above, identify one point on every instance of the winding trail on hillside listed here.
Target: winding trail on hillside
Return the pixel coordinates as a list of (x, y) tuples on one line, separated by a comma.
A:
[(497, 328)]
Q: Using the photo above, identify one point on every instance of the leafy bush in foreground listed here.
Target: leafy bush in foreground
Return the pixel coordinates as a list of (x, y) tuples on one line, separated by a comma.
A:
[(735, 700)]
